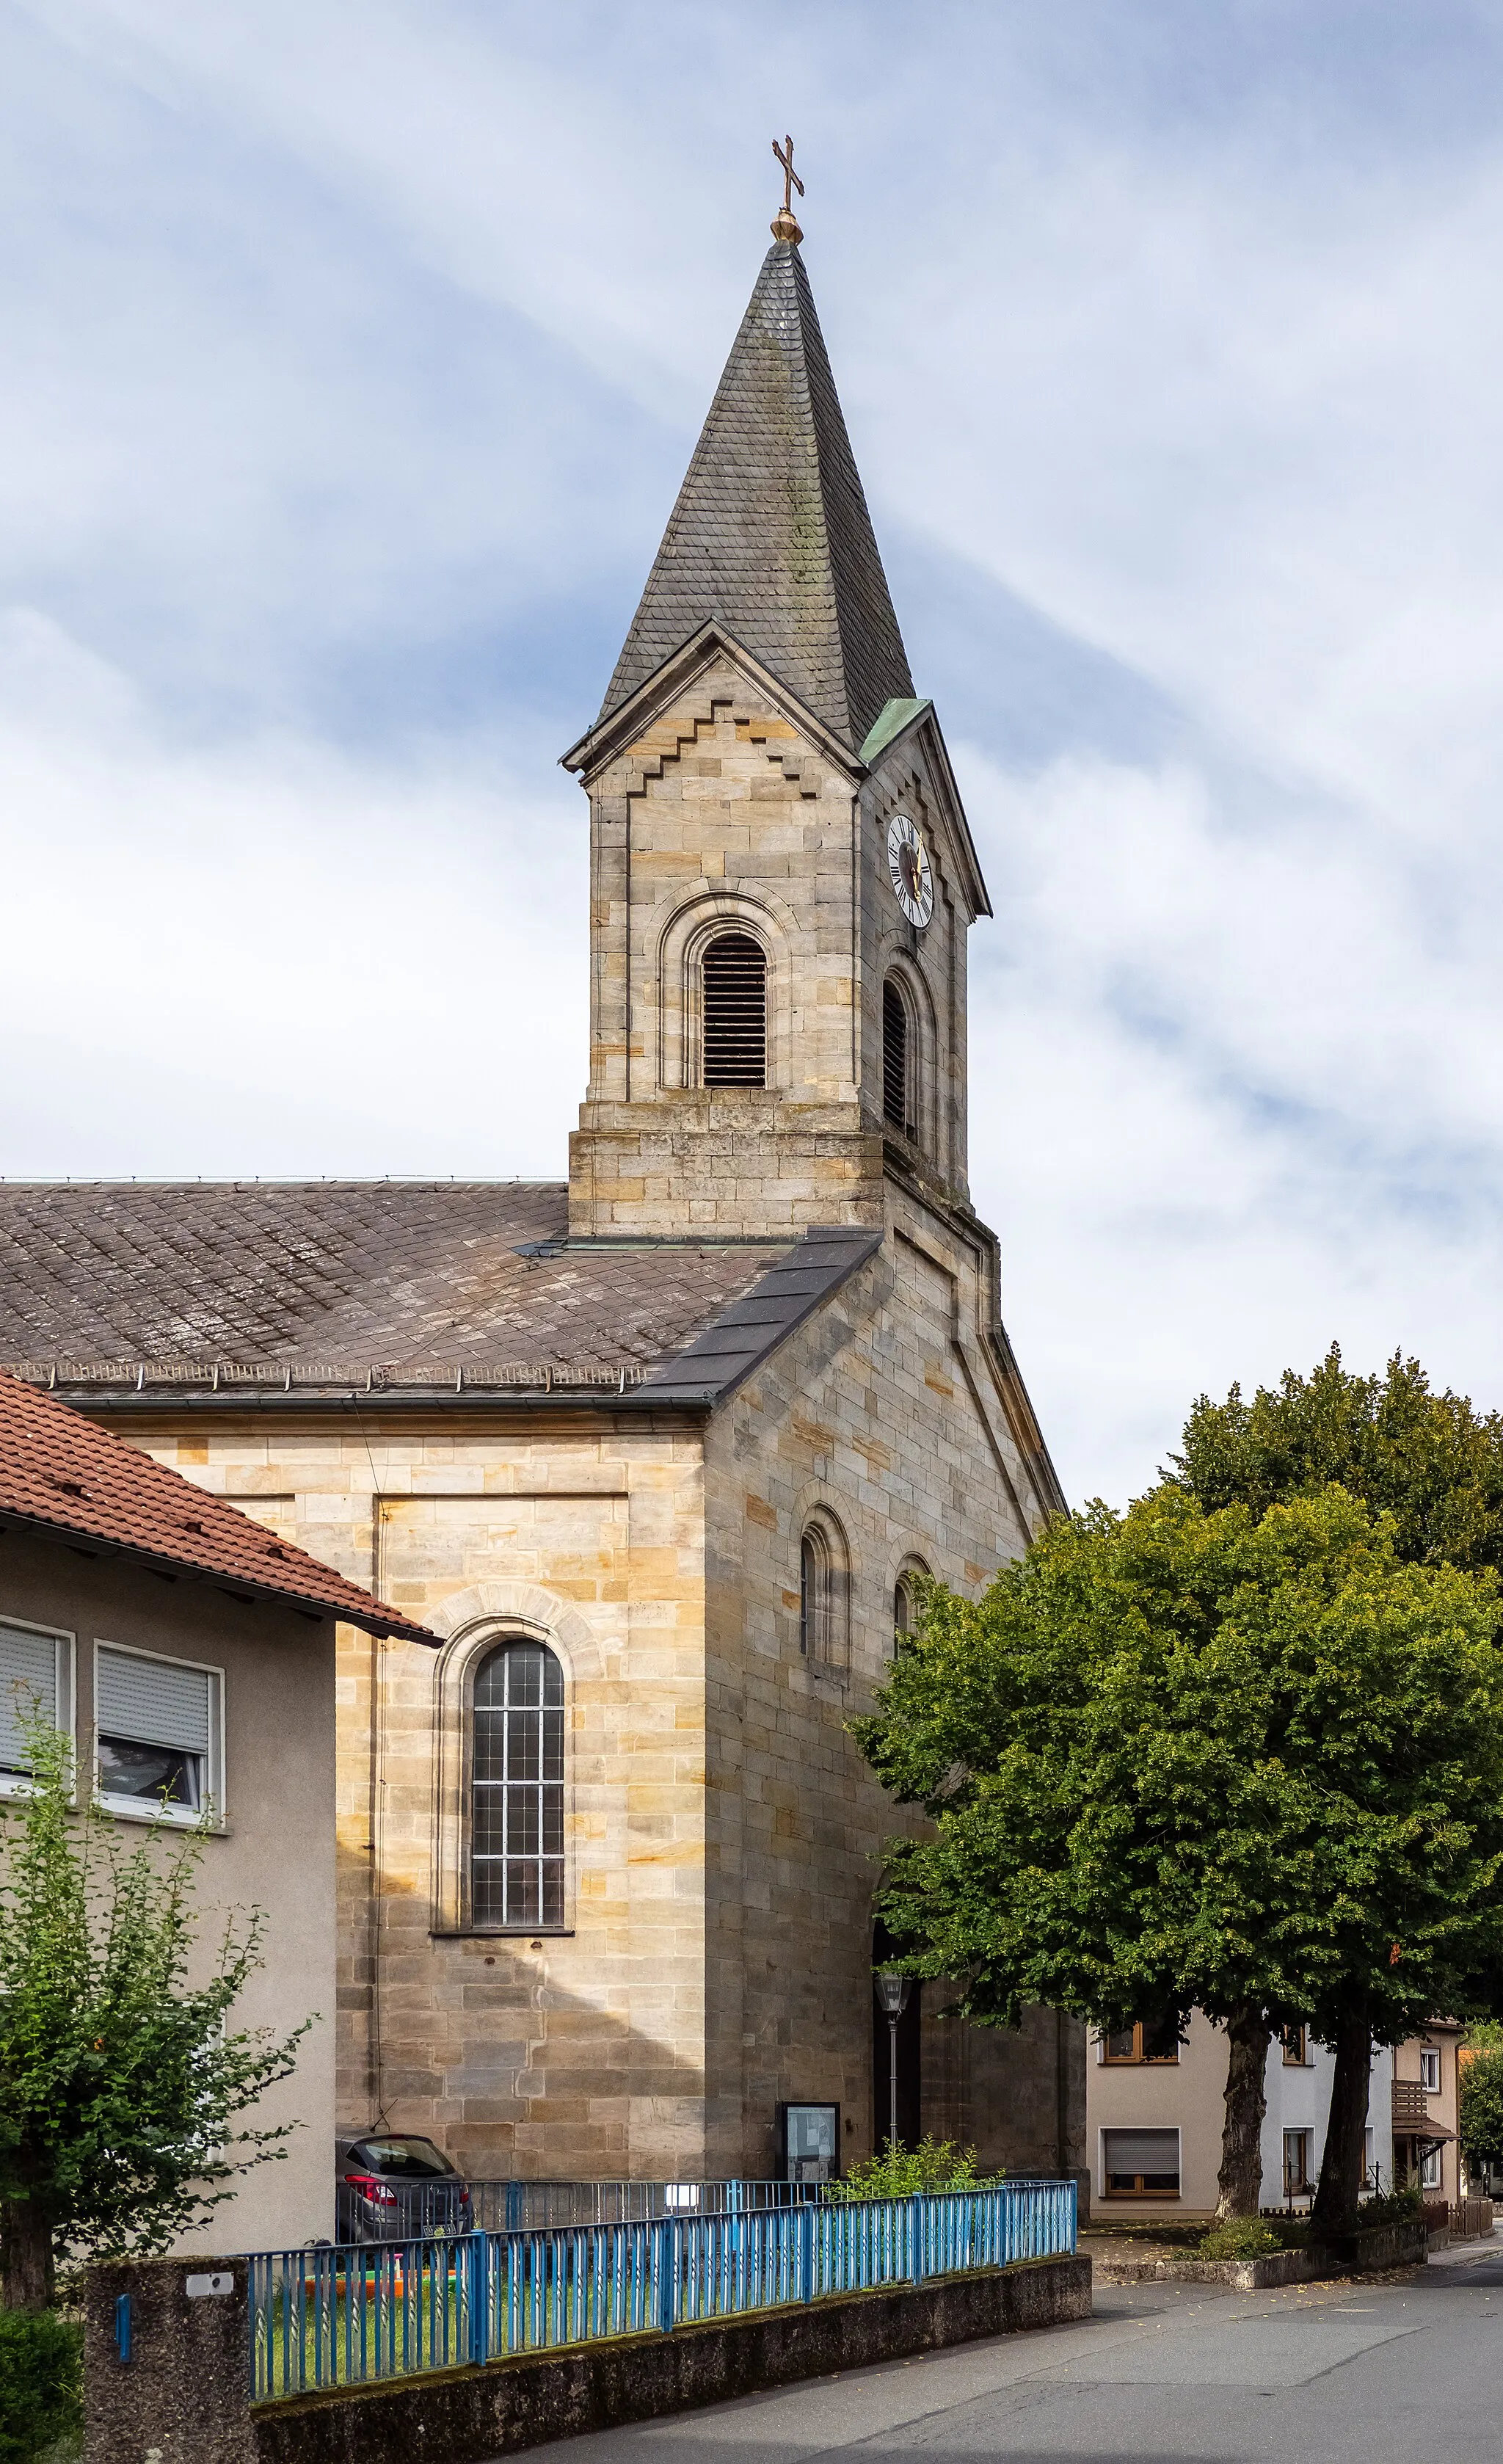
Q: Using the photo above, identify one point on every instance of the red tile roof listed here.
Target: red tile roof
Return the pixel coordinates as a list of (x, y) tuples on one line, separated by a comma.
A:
[(60, 1473)]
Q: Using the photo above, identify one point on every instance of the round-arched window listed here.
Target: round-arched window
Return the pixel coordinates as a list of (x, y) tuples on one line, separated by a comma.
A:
[(516, 1844)]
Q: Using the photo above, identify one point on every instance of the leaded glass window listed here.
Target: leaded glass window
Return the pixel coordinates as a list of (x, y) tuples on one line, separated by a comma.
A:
[(516, 1860)]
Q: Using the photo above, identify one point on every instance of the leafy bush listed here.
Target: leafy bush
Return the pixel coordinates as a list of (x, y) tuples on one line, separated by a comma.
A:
[(41, 2382), (1240, 2238), (896, 2172), (1393, 2207)]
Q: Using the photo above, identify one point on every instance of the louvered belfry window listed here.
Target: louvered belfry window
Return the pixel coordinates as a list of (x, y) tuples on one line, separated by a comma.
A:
[(516, 1849), (896, 1105), (734, 971)]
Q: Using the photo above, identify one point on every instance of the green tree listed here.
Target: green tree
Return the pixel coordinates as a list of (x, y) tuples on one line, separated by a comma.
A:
[(1430, 1460), (1482, 2107), (1249, 1763), (119, 2078)]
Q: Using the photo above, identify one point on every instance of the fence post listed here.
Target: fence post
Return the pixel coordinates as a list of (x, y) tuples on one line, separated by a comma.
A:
[(806, 2251), (477, 2258), (665, 2237), (916, 2230)]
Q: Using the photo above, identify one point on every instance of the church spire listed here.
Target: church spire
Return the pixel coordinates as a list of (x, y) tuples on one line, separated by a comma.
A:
[(771, 535)]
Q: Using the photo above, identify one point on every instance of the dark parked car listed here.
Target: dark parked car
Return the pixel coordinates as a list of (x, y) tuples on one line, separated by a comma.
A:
[(390, 2187)]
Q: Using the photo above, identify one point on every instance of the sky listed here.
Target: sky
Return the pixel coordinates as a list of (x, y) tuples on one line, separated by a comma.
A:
[(354, 356)]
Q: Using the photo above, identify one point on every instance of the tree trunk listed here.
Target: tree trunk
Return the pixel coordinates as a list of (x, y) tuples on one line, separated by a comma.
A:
[(26, 2255), (1241, 2178), (1340, 2185)]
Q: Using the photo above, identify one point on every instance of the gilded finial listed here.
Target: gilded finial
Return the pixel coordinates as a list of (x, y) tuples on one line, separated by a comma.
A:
[(784, 226)]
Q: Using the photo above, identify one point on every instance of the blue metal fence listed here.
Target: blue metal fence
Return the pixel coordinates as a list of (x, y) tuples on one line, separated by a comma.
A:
[(409, 2211), (338, 2317)]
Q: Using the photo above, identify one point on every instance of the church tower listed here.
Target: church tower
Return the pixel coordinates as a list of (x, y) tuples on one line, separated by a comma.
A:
[(782, 877)]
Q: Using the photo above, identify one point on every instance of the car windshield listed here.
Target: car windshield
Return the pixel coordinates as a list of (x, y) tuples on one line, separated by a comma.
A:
[(415, 2158)]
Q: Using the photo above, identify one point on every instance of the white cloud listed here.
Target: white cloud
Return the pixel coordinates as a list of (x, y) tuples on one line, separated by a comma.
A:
[(273, 956), (353, 361)]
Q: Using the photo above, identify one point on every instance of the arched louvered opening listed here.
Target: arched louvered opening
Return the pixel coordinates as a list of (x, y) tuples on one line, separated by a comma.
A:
[(897, 1060), (734, 975)]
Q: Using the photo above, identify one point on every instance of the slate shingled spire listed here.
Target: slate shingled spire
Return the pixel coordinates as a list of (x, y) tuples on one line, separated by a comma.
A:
[(771, 535)]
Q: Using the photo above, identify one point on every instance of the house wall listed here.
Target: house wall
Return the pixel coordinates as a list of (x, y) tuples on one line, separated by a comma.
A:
[(275, 1849), (1443, 2105), (1189, 2096)]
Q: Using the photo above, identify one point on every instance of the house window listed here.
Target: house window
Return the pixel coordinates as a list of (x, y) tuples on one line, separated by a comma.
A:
[(1431, 2170), (516, 1849), (1297, 2163), (897, 1061), (1429, 2068), (1146, 2040), (1295, 2053), (1141, 2163), (733, 972), (35, 1683), (157, 1728)]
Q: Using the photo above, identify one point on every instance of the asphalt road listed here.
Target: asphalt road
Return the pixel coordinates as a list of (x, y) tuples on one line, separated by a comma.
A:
[(1381, 2373)]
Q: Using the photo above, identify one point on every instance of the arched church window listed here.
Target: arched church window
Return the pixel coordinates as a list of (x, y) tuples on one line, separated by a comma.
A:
[(821, 1595), (516, 1862), (906, 1602), (734, 975), (897, 1060)]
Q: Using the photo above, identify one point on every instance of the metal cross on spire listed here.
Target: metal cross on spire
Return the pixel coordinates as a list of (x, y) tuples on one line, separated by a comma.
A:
[(784, 224)]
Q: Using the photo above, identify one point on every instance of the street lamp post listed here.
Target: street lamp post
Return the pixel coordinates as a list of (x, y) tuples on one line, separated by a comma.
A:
[(892, 1993)]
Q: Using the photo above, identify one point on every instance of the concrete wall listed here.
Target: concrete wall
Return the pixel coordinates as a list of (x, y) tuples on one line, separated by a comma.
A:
[(275, 1848), (183, 2397)]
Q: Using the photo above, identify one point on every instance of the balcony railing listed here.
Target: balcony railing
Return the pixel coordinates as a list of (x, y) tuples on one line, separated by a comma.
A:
[(1412, 2111)]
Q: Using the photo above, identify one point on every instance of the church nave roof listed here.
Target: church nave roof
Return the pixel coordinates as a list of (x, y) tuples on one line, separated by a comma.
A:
[(449, 1285)]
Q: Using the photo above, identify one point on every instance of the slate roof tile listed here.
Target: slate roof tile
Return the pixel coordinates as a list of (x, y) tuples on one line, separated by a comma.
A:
[(771, 535), (396, 1274)]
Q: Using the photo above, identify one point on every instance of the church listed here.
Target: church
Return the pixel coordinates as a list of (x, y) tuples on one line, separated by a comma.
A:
[(658, 1450)]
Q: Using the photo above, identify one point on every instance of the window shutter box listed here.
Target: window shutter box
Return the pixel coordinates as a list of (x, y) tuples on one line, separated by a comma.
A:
[(1142, 2151), (27, 1673), (152, 1703)]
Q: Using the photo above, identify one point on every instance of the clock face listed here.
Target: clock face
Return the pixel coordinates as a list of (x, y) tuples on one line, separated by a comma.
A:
[(908, 863)]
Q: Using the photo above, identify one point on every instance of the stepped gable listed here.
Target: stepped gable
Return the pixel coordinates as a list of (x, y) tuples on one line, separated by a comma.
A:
[(771, 537)]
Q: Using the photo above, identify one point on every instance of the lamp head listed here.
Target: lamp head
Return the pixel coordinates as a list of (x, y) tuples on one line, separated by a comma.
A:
[(892, 1992)]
